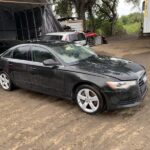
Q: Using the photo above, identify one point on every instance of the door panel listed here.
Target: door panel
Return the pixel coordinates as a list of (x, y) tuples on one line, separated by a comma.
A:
[(45, 78), (19, 73), (18, 67)]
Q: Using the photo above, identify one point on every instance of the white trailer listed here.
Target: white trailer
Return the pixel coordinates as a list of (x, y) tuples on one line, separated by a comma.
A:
[(146, 25)]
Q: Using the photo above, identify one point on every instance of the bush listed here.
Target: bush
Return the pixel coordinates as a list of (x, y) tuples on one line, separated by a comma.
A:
[(119, 29), (132, 28), (129, 24), (105, 28)]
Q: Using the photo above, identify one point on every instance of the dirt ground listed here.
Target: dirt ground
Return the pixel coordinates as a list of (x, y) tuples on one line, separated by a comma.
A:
[(32, 121)]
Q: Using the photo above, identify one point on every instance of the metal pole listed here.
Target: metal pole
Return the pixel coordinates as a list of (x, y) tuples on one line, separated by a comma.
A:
[(3, 26), (20, 20), (42, 20), (35, 27), (27, 25), (41, 11), (13, 14)]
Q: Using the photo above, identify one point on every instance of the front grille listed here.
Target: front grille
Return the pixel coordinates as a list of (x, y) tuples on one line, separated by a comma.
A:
[(128, 101), (142, 85)]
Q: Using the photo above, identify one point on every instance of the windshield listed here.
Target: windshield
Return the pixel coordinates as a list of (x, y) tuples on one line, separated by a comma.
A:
[(71, 54)]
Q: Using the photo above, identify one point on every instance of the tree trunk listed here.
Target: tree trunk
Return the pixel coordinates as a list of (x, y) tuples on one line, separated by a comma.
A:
[(80, 8), (91, 18), (82, 17), (112, 26)]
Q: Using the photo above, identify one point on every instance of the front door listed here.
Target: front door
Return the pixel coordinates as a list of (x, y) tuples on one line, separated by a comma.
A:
[(44, 78)]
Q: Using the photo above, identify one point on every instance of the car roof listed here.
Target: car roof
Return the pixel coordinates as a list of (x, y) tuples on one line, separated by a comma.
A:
[(45, 43), (63, 33)]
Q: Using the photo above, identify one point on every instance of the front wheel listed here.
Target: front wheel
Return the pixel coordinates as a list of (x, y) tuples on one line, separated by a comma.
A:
[(5, 82), (89, 99)]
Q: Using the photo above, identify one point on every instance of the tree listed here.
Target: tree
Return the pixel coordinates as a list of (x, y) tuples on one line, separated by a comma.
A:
[(82, 6), (109, 9), (63, 8), (136, 3), (131, 18), (95, 8)]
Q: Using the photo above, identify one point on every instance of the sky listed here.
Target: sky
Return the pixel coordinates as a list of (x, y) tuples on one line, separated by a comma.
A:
[(126, 8)]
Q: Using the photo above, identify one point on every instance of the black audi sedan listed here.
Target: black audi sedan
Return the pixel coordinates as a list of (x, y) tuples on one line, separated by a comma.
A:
[(94, 82)]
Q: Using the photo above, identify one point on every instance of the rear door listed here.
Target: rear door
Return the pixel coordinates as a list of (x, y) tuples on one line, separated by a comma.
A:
[(18, 66)]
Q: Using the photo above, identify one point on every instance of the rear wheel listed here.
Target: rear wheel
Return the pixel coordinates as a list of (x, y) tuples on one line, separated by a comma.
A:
[(89, 99), (5, 81)]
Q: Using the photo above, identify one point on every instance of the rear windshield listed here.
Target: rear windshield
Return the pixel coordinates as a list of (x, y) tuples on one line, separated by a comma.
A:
[(51, 38), (76, 37)]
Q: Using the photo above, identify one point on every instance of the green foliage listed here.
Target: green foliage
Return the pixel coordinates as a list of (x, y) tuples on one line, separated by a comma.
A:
[(118, 28), (63, 8), (131, 18), (107, 10), (103, 27), (132, 22), (132, 28)]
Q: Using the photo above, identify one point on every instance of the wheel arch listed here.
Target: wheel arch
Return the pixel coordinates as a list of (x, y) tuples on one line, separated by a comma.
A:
[(91, 84)]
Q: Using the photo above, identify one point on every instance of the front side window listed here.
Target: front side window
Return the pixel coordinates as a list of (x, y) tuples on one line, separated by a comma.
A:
[(7, 54), (40, 54), (21, 53)]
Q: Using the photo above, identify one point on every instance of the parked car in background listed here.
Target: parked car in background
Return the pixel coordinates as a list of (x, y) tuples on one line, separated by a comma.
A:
[(93, 39), (73, 37), (65, 70)]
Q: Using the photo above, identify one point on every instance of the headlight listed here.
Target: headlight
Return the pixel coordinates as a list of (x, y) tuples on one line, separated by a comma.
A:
[(121, 85)]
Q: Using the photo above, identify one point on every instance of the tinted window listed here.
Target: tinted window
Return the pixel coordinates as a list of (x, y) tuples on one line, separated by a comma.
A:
[(21, 53), (40, 54), (76, 37), (52, 38), (7, 54), (81, 37)]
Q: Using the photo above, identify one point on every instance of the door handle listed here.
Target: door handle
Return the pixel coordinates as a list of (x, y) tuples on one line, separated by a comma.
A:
[(10, 64), (34, 69)]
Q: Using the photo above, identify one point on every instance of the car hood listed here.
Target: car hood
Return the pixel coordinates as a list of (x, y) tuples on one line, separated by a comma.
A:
[(110, 66)]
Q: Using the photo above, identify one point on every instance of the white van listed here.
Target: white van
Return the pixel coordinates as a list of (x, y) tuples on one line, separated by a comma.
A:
[(75, 37)]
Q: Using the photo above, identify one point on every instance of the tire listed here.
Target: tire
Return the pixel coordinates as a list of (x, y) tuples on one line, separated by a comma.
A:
[(89, 99), (5, 82)]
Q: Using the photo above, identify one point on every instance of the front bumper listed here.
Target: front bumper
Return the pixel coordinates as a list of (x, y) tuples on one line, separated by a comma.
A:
[(126, 98)]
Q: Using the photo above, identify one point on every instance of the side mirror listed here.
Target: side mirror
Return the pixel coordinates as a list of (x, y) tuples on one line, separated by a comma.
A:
[(50, 62)]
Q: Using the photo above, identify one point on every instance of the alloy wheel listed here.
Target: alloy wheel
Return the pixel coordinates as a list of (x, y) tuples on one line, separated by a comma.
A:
[(88, 100), (5, 81)]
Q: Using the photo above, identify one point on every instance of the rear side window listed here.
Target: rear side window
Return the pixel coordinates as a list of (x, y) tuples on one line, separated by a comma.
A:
[(40, 54), (21, 53), (7, 54)]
